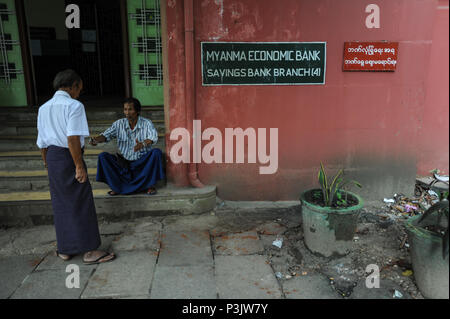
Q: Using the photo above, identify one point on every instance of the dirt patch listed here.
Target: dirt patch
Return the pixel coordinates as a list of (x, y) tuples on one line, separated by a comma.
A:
[(376, 243), (379, 240)]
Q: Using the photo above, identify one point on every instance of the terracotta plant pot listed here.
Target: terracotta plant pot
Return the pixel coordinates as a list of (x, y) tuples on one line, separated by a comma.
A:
[(431, 271), (328, 231)]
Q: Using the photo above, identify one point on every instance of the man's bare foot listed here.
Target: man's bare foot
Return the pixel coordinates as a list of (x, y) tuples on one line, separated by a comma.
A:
[(97, 256), (151, 191)]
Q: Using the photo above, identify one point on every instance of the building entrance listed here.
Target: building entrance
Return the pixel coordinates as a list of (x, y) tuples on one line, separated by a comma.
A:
[(95, 50), (117, 50)]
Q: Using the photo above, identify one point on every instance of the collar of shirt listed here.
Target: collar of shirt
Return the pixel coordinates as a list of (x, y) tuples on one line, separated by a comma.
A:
[(64, 93), (138, 124)]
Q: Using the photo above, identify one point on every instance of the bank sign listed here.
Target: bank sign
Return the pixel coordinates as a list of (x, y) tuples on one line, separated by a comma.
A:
[(266, 63)]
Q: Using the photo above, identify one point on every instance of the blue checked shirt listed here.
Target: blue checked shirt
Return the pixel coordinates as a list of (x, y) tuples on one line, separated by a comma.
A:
[(126, 138)]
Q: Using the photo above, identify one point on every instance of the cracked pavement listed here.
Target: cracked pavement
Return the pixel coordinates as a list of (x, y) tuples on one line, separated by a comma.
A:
[(225, 254)]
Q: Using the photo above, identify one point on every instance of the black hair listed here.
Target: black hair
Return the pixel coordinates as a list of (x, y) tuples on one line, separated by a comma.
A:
[(65, 79), (135, 102)]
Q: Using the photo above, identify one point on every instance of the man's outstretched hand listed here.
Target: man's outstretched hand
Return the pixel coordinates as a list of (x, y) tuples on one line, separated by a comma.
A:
[(98, 139), (92, 141)]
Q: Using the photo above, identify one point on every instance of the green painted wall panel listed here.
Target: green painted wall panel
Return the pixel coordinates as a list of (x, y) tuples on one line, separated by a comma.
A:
[(144, 22), (12, 82)]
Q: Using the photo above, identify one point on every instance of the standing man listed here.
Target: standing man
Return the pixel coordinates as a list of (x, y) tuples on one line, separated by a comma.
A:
[(62, 126), (139, 166)]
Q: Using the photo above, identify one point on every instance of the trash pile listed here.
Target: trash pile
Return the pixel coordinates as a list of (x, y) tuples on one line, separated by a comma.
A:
[(426, 194), (403, 206), (437, 183)]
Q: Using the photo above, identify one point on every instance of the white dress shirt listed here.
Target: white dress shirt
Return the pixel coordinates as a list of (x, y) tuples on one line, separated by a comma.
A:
[(59, 118)]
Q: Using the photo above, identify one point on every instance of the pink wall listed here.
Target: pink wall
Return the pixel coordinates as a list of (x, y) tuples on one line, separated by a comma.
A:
[(368, 123), (434, 133)]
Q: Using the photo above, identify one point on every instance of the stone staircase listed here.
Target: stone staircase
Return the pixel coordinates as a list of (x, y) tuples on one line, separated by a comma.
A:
[(24, 190)]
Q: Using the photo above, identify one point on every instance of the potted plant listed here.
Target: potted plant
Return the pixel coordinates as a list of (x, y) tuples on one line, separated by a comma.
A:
[(330, 215), (428, 236)]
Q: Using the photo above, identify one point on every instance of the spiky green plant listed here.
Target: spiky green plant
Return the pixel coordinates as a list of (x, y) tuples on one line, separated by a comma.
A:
[(332, 192)]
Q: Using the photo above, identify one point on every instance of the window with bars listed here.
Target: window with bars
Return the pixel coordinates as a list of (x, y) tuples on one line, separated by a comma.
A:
[(144, 24), (8, 69)]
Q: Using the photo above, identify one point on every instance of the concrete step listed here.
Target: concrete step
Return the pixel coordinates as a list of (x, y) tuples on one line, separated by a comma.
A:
[(34, 180), (34, 208), (28, 143), (32, 160), (37, 180), (30, 127), (40, 184), (92, 114), (116, 115)]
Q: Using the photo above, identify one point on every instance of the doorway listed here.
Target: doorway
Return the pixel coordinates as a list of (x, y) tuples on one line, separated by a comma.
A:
[(95, 50)]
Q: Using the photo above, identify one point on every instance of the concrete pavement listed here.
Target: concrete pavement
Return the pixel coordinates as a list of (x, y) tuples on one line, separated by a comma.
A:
[(225, 254)]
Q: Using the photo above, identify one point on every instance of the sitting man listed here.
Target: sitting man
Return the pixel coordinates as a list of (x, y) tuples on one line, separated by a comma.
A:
[(138, 167)]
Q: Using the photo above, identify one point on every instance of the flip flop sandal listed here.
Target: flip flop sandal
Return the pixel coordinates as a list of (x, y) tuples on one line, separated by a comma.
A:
[(63, 256), (98, 260), (151, 191), (112, 193)]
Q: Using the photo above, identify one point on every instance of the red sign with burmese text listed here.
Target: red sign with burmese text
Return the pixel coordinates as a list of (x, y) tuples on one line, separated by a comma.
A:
[(370, 56)]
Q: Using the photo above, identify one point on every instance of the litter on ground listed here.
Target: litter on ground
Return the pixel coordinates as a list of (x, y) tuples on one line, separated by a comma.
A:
[(278, 242)]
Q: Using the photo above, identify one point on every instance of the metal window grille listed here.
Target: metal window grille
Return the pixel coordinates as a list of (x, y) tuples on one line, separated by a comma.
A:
[(8, 70), (149, 44)]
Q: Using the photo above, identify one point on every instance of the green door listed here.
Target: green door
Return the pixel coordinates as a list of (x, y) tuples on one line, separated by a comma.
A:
[(144, 34), (12, 81)]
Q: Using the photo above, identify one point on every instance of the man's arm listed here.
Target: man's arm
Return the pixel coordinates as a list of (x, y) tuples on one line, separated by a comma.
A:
[(77, 156), (44, 156), (40, 143), (107, 135), (97, 139)]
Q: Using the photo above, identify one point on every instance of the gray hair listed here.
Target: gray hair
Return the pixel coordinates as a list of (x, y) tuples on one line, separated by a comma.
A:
[(65, 79)]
